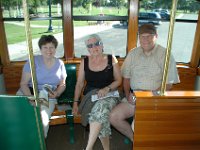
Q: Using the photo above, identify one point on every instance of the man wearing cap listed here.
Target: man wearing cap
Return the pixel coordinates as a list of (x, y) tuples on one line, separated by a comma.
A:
[(142, 70)]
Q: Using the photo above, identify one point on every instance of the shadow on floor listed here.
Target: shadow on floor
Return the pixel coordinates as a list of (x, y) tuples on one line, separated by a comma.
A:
[(58, 139)]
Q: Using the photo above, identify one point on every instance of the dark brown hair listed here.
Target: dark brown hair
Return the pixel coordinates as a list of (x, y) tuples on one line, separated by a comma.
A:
[(44, 39)]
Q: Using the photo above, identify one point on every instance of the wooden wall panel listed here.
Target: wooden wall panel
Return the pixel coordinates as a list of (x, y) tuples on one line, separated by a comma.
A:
[(167, 122), (68, 32), (187, 77), (4, 57), (12, 76), (132, 25), (194, 62)]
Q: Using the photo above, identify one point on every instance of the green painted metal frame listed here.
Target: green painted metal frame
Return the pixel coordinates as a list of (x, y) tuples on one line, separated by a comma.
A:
[(21, 125), (68, 97)]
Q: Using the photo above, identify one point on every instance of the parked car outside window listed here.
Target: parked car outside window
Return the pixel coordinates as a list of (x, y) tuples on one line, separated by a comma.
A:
[(164, 13), (147, 17), (150, 17)]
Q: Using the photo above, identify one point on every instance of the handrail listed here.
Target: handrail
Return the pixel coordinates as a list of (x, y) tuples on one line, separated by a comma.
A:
[(169, 45), (30, 49), (33, 72)]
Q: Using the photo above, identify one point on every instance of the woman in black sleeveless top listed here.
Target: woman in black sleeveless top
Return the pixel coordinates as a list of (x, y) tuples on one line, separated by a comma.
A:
[(102, 73)]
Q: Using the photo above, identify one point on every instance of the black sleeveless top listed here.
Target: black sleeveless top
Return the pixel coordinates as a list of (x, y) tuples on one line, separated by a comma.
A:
[(98, 79)]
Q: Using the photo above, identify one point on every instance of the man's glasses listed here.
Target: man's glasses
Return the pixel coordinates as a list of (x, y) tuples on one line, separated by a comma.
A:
[(98, 43)]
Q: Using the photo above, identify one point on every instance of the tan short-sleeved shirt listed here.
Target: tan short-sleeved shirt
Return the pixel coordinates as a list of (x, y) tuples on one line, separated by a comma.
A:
[(145, 72)]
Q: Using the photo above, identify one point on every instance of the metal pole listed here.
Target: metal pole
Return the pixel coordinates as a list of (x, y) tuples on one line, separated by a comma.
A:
[(33, 72), (30, 49), (50, 29), (169, 45)]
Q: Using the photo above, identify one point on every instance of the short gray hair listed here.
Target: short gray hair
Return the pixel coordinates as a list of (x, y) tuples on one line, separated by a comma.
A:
[(95, 36)]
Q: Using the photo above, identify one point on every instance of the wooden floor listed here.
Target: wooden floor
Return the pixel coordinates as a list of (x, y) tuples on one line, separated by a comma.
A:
[(58, 139)]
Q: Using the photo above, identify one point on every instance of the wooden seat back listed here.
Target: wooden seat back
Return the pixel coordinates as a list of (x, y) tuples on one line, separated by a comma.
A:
[(12, 75), (167, 122)]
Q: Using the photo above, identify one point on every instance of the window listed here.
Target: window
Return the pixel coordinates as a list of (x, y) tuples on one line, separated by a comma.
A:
[(107, 18), (102, 19), (39, 22), (184, 28)]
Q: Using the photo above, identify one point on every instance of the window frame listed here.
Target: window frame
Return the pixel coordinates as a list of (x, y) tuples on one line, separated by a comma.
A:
[(68, 35)]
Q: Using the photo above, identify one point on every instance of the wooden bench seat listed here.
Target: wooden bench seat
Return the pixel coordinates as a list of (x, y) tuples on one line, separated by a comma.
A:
[(12, 75), (12, 79)]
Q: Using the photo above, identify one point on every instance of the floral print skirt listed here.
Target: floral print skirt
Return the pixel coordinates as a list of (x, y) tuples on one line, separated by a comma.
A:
[(100, 113)]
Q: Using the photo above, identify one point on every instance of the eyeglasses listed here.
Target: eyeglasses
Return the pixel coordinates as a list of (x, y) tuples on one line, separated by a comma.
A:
[(148, 36), (98, 43)]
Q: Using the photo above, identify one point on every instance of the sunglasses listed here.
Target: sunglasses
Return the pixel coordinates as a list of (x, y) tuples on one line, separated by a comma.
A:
[(98, 43)]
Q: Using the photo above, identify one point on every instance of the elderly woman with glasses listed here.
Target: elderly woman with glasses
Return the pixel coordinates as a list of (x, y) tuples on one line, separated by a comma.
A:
[(102, 75)]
